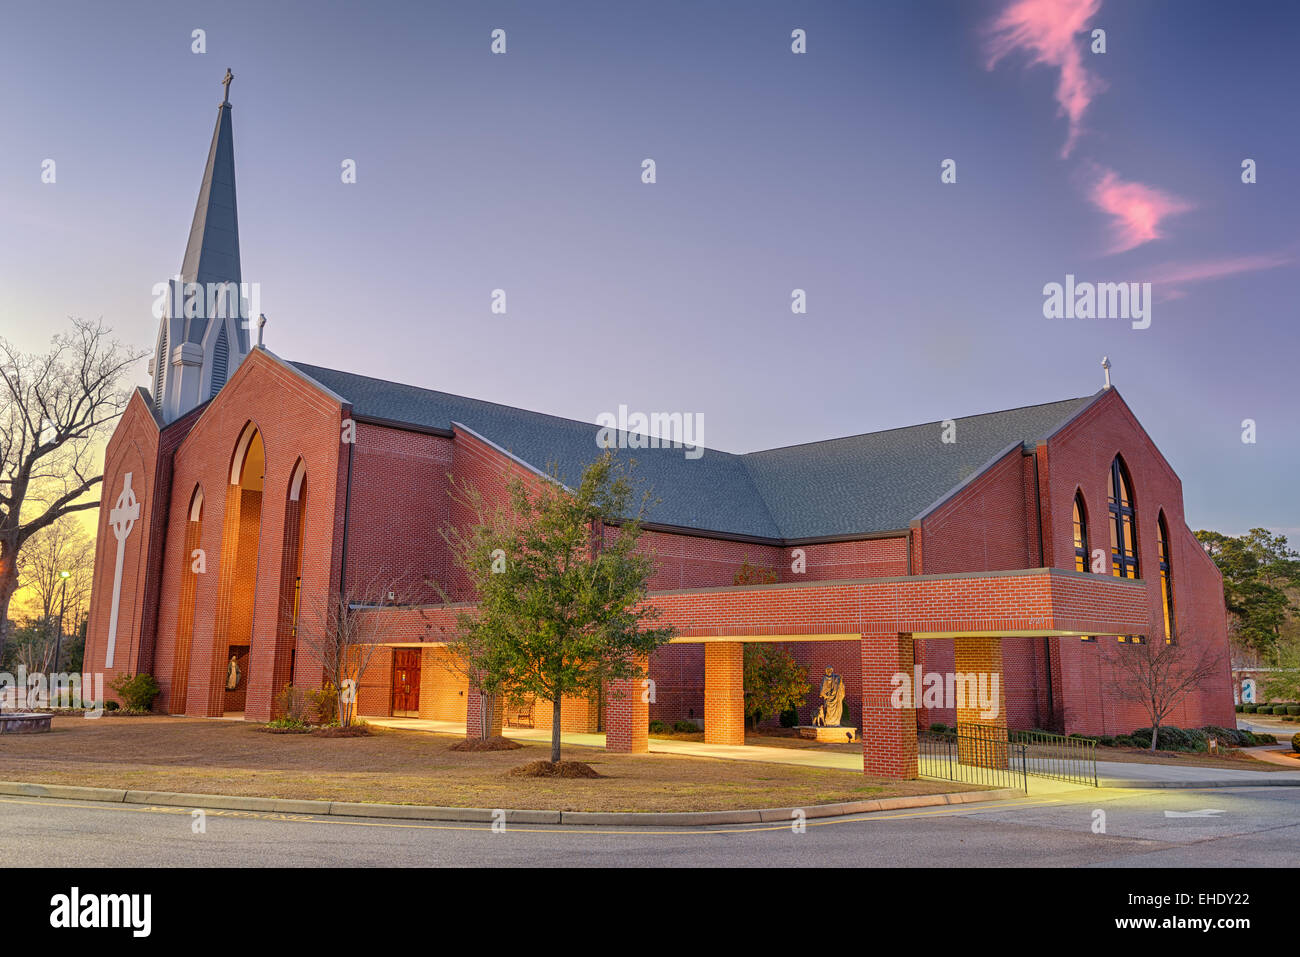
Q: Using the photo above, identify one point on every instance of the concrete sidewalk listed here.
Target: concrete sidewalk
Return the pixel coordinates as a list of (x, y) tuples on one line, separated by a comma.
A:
[(1110, 774)]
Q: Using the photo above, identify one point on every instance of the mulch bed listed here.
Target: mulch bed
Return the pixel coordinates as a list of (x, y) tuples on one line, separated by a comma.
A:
[(560, 769)]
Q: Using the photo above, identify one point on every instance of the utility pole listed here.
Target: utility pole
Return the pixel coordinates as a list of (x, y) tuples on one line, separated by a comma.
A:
[(63, 607)]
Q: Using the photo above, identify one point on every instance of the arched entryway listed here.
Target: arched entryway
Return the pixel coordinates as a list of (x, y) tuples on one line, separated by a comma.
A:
[(241, 536), (290, 594), (193, 564)]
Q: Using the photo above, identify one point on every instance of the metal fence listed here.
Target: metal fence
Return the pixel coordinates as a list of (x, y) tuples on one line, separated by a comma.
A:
[(976, 754), (1058, 757), (973, 757)]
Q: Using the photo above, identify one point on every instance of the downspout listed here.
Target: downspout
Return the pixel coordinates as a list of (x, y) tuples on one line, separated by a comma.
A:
[(1047, 641)]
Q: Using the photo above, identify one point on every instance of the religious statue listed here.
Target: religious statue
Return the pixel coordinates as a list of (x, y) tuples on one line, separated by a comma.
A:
[(226, 83), (233, 675), (832, 694)]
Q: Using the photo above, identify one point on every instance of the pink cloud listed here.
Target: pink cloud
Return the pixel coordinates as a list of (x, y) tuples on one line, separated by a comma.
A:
[(1136, 210), (1217, 268), (1048, 30)]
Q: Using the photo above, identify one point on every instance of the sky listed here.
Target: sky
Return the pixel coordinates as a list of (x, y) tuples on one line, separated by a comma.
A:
[(774, 171)]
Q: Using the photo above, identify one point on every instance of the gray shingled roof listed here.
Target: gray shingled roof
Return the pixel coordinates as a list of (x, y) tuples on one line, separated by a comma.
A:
[(875, 482)]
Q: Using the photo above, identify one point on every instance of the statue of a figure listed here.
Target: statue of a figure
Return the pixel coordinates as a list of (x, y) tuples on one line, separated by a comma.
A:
[(232, 675), (226, 83), (832, 694)]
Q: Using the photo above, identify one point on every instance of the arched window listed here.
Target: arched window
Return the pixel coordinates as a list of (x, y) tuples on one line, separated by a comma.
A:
[(1166, 577), (1081, 559), (1123, 523)]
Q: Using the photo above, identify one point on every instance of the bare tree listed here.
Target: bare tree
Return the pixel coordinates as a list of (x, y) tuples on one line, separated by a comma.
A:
[(61, 547), (1157, 676), (343, 634), (56, 410)]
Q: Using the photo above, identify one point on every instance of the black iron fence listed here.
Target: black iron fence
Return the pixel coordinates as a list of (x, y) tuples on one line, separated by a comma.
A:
[(973, 757), (1059, 757), (976, 754)]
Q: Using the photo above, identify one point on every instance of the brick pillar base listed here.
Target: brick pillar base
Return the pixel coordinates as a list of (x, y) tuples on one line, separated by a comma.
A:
[(724, 692), (982, 740), (627, 713), (888, 733), (474, 708)]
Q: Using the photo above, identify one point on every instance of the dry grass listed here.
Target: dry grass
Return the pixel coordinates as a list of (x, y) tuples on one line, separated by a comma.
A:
[(407, 767)]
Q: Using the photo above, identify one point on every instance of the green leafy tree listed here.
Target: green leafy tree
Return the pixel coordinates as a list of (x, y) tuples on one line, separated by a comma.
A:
[(774, 681), (559, 586), (1261, 574)]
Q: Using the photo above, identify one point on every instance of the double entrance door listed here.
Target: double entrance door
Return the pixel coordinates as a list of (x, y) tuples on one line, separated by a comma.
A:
[(406, 682)]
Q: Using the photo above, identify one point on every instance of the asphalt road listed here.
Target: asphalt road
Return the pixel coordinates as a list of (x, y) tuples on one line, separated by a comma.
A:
[(1259, 827)]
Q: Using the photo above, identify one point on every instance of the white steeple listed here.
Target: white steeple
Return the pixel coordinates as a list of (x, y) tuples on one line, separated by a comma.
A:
[(203, 336)]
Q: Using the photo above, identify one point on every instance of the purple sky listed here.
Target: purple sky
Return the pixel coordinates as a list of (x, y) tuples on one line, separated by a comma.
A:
[(776, 171)]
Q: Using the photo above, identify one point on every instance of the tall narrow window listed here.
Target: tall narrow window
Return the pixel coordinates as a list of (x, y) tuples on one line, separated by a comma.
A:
[(1081, 561), (1123, 523), (1166, 577)]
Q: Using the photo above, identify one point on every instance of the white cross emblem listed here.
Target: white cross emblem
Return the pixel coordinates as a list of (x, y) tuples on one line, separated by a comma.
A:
[(121, 520)]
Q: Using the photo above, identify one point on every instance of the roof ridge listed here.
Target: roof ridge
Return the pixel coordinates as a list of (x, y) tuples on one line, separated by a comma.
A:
[(915, 425), (499, 405)]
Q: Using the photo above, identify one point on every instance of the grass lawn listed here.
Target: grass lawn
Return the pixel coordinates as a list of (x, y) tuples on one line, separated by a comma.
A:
[(407, 767)]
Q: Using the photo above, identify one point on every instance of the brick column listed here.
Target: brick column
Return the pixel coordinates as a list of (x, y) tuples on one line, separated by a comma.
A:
[(888, 733), (724, 692), (977, 663), (474, 700), (627, 713)]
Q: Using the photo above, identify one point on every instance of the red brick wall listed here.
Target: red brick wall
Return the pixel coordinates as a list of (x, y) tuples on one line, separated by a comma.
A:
[(134, 447), (1080, 458), (400, 505), (296, 420)]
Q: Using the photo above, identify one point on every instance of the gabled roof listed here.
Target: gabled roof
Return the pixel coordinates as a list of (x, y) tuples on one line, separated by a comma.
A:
[(858, 485)]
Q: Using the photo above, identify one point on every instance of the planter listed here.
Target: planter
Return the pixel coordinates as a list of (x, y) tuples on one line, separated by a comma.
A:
[(24, 722)]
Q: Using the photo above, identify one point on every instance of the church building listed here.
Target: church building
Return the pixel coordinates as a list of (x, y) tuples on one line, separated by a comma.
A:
[(243, 493)]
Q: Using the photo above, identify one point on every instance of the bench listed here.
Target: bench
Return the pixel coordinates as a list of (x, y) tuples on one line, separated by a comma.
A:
[(519, 714)]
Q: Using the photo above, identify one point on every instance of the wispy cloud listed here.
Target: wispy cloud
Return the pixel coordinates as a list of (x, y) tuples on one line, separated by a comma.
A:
[(1218, 268), (1136, 210), (1048, 31), (1169, 278)]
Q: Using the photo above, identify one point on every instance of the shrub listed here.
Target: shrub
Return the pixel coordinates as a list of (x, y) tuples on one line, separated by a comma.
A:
[(1172, 739), (1250, 708), (308, 706), (111, 705), (1106, 741), (939, 727), (685, 727), (1279, 709), (1240, 708), (1293, 709), (658, 727), (789, 718), (136, 691), (1295, 742)]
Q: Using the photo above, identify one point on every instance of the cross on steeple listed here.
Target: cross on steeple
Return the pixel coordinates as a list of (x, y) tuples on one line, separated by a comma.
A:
[(226, 83)]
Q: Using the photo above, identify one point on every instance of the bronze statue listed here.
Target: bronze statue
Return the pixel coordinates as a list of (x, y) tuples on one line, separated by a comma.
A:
[(832, 706)]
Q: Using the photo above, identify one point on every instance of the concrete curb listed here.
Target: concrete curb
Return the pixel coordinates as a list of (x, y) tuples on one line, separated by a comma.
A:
[(1218, 783), (474, 815)]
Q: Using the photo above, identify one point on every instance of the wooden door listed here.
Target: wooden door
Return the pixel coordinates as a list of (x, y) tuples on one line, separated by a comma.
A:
[(406, 682)]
